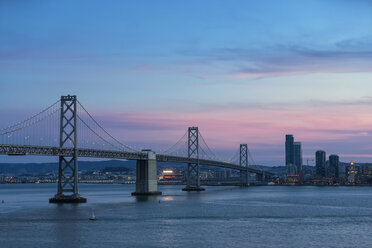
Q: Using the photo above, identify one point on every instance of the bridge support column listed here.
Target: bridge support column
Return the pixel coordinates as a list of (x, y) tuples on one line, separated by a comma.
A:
[(193, 170), (243, 161), (68, 166), (146, 176), (244, 178)]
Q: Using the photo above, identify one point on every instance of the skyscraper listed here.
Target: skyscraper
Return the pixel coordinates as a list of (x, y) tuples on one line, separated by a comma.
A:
[(333, 166), (297, 153), (289, 152), (352, 173), (320, 163)]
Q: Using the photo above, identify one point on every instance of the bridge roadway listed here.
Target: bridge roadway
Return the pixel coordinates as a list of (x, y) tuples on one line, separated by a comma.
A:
[(93, 153)]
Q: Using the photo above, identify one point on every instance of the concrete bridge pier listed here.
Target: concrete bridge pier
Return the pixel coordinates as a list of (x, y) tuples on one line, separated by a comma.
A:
[(146, 175), (244, 178)]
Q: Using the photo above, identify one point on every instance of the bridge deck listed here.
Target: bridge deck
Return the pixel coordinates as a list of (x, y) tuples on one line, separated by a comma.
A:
[(93, 153)]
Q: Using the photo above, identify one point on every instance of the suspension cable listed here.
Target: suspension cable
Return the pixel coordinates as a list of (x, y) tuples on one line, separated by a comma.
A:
[(169, 149), (250, 155), (234, 156), (31, 117), (208, 156), (104, 130), (213, 154), (32, 123), (99, 136)]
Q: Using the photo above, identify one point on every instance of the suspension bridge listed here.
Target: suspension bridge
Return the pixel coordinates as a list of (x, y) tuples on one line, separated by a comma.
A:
[(67, 130)]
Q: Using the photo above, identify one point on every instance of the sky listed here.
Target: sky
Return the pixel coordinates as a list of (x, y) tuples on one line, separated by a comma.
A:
[(242, 71)]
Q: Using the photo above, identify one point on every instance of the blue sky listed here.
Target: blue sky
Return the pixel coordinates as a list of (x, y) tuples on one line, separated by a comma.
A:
[(243, 71)]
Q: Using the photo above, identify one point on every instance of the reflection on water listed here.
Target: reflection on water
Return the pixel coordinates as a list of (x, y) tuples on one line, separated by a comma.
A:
[(146, 198), (167, 198), (218, 217), (63, 229), (153, 198)]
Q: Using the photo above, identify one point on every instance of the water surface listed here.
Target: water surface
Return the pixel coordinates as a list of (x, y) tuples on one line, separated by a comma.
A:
[(270, 216)]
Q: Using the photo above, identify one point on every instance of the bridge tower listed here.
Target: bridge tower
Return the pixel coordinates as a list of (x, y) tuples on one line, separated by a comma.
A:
[(243, 161), (68, 165), (193, 170)]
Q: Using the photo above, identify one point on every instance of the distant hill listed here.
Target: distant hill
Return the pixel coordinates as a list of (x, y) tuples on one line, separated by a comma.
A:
[(38, 168), (41, 168)]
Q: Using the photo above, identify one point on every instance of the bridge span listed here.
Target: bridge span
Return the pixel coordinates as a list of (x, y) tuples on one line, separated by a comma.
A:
[(29, 137), (21, 150)]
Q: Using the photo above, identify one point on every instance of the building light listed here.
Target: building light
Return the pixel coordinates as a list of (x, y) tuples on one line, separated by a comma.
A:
[(167, 171)]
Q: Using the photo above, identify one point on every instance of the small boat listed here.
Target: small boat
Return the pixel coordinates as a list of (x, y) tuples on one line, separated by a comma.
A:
[(93, 217)]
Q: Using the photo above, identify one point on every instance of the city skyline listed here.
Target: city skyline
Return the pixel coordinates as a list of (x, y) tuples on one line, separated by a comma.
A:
[(242, 72)]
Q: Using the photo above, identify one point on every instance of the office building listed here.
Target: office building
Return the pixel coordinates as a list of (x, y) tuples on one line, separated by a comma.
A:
[(320, 163), (297, 153), (366, 174), (352, 173), (289, 153), (333, 166)]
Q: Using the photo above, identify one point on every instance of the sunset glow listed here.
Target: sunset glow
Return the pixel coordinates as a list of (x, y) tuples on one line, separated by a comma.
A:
[(236, 72)]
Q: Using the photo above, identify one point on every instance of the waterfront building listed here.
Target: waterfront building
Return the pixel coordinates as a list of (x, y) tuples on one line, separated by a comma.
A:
[(333, 166), (289, 153), (366, 174), (171, 175), (292, 170), (341, 170), (352, 173), (297, 153), (320, 163), (222, 174), (293, 179), (367, 170)]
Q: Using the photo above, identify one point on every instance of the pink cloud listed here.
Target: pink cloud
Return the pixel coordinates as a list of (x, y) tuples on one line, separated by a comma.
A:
[(225, 129)]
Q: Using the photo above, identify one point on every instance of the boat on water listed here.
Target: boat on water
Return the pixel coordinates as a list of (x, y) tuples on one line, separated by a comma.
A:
[(93, 217)]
